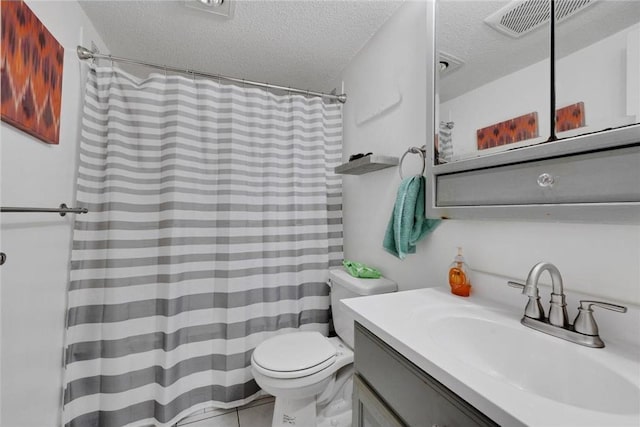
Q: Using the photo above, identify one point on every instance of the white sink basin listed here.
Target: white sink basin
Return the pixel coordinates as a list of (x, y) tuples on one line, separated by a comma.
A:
[(531, 361), (515, 375)]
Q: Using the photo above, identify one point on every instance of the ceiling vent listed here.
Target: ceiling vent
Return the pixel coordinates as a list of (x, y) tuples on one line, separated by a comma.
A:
[(448, 63), (522, 16), (217, 7)]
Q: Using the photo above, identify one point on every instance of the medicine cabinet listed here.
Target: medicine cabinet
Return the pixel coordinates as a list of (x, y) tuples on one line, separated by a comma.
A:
[(532, 117)]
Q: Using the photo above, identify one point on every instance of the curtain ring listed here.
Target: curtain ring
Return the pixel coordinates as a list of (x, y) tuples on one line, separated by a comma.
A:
[(413, 150), (193, 74)]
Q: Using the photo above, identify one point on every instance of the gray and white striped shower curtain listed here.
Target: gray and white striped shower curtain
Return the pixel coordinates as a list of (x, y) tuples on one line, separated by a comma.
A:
[(214, 216)]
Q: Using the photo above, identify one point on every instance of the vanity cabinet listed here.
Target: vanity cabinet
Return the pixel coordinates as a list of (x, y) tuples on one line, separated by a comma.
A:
[(390, 391)]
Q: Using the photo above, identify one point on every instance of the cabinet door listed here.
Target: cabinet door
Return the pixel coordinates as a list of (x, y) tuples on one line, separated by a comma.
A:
[(597, 66), (417, 398), (369, 410)]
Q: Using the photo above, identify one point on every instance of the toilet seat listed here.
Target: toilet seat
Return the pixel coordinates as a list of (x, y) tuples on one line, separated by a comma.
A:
[(294, 355)]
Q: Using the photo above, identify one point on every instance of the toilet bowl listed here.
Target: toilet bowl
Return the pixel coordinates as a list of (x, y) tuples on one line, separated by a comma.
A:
[(309, 374), (311, 371)]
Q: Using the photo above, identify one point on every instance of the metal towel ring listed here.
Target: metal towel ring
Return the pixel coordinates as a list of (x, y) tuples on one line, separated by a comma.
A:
[(414, 150)]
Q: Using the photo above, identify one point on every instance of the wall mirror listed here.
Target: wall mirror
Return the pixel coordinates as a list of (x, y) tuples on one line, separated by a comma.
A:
[(520, 121), (489, 74), (493, 78)]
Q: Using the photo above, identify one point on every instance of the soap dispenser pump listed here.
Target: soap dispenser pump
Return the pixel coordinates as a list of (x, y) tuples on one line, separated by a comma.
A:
[(459, 276)]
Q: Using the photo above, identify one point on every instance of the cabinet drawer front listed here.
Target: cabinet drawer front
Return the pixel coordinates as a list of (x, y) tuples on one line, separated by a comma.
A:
[(599, 177), (369, 410), (417, 398)]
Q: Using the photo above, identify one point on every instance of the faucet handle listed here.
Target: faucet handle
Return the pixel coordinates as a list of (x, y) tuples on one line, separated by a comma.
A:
[(517, 285), (533, 308), (585, 323)]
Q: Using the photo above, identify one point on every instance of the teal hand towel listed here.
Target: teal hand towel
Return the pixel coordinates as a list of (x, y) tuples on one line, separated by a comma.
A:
[(408, 223)]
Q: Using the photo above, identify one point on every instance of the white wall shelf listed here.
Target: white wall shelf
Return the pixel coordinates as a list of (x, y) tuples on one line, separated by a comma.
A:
[(366, 164)]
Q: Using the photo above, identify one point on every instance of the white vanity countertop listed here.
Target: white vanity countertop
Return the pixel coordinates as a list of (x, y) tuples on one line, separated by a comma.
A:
[(511, 373)]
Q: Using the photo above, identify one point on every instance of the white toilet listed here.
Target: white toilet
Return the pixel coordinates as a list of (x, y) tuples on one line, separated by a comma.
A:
[(309, 374)]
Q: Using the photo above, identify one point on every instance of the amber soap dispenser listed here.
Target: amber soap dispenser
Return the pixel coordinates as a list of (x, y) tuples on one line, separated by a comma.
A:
[(459, 276)]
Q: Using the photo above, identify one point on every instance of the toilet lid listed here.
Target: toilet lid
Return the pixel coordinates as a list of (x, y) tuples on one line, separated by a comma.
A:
[(294, 354)]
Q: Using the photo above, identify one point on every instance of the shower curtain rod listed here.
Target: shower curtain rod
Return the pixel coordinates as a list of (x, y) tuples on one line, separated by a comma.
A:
[(84, 54), (62, 210)]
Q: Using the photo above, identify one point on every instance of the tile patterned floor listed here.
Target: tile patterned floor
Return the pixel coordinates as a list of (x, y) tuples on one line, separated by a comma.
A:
[(256, 414)]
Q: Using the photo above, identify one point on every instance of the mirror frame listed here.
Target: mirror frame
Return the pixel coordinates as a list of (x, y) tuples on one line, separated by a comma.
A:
[(605, 212)]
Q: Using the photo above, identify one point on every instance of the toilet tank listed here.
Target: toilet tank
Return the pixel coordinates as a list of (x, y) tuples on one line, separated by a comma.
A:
[(344, 285)]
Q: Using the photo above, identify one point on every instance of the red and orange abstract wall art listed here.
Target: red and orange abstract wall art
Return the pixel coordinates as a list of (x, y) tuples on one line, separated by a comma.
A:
[(508, 132), (32, 59), (570, 117)]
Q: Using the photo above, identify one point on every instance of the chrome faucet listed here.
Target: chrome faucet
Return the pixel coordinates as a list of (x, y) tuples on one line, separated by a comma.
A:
[(558, 308), (584, 331)]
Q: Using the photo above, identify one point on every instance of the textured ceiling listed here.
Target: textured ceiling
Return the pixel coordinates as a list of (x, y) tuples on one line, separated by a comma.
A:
[(307, 43), (489, 54), (303, 44)]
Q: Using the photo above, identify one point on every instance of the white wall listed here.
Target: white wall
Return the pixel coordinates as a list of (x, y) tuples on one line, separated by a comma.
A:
[(33, 281), (603, 260)]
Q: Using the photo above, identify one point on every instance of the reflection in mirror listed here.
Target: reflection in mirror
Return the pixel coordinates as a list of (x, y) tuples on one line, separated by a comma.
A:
[(598, 68), (493, 85), (494, 93)]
